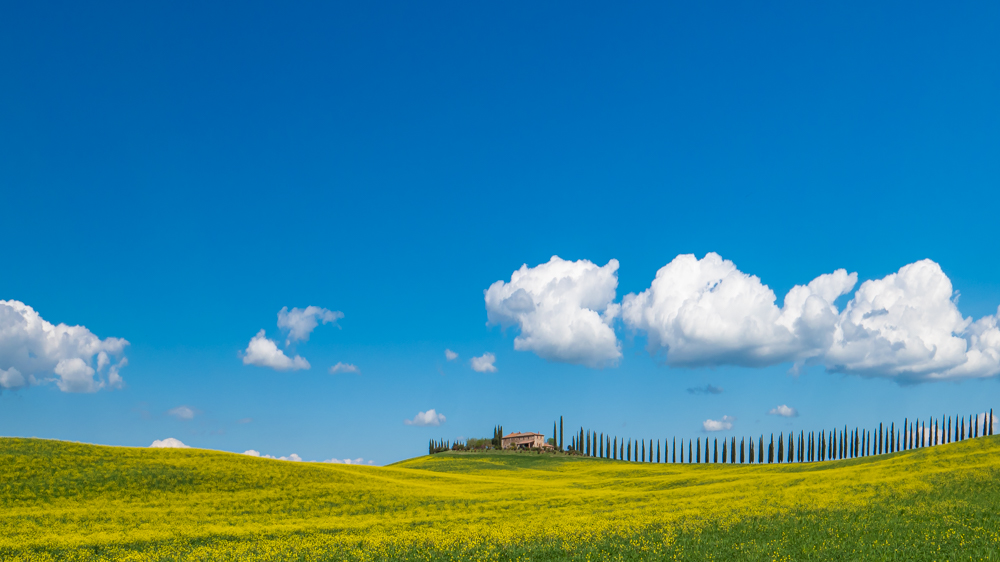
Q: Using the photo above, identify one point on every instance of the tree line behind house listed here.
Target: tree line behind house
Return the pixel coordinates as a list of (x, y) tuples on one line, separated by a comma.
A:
[(833, 444)]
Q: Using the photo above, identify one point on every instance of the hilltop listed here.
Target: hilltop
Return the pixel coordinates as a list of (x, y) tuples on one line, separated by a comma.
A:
[(60, 500)]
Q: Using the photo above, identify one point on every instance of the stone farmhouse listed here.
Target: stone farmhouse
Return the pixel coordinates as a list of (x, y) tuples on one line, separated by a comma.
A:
[(523, 441)]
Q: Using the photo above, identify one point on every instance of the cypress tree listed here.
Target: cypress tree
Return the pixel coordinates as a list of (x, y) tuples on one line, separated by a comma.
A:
[(770, 450), (682, 450), (674, 448), (657, 451), (715, 451), (791, 448), (698, 451), (976, 430), (947, 430), (781, 447), (732, 451), (741, 450), (690, 458), (991, 421), (621, 450), (651, 450), (643, 450), (724, 451), (760, 450), (892, 433), (628, 451), (561, 443), (750, 455)]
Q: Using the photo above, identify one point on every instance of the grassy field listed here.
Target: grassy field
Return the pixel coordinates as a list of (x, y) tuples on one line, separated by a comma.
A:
[(66, 501)]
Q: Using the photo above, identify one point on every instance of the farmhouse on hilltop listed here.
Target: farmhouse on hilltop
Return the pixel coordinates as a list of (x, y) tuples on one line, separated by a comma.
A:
[(523, 441)]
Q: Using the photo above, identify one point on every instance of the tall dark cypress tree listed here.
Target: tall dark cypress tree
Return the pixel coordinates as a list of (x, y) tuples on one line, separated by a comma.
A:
[(657, 451), (715, 451), (991, 421), (724, 451), (673, 448), (732, 451), (770, 450), (682, 450), (690, 458), (892, 434), (742, 448), (651, 450), (561, 443), (628, 451), (760, 450), (698, 452), (643, 451), (621, 450), (781, 448), (750, 453)]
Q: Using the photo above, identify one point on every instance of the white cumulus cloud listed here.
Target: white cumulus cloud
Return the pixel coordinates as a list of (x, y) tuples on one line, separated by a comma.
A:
[(34, 351), (168, 443), (484, 363), (726, 423), (299, 323), (181, 413), (563, 309), (344, 368), (707, 312), (783, 411), (263, 352), (450, 355), (907, 326), (428, 418)]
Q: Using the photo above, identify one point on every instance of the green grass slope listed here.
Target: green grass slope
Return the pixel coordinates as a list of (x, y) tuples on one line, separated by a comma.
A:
[(71, 501)]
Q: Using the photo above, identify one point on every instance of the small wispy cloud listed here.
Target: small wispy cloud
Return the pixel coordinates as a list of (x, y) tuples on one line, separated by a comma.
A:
[(181, 413), (428, 418), (484, 363), (450, 355), (784, 411), (168, 443), (344, 368), (349, 461), (726, 423), (292, 457), (244, 420), (707, 389)]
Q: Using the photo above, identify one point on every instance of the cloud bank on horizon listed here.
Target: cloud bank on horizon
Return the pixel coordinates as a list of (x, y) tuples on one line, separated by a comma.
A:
[(703, 313), (34, 351)]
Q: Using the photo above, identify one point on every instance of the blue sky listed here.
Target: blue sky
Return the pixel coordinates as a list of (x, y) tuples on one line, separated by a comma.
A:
[(175, 174)]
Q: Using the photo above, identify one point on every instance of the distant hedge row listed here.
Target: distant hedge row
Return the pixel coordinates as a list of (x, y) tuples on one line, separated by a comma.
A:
[(813, 446)]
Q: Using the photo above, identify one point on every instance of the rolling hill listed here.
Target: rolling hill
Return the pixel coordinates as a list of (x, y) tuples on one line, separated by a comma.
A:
[(62, 500)]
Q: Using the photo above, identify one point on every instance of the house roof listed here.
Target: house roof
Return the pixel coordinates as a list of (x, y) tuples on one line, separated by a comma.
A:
[(521, 434)]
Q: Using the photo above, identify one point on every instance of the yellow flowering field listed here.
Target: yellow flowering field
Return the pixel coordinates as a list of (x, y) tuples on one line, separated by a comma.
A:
[(68, 501)]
